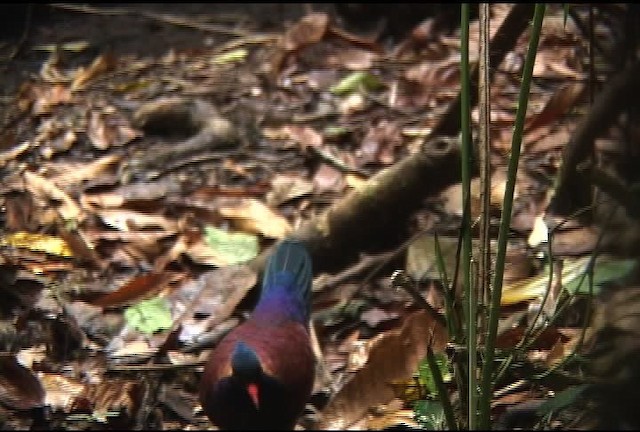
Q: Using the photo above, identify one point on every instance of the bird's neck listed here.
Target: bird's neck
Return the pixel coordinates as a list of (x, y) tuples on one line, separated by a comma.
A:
[(281, 301)]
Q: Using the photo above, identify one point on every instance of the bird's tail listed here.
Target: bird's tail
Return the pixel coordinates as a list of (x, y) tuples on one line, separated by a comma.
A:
[(290, 257)]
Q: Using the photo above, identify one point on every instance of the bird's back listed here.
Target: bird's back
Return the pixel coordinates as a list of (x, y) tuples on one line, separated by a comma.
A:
[(278, 333)]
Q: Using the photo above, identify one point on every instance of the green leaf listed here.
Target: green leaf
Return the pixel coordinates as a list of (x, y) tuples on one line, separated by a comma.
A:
[(606, 270), (429, 414), (149, 316), (355, 81), (561, 400), (425, 376), (234, 248)]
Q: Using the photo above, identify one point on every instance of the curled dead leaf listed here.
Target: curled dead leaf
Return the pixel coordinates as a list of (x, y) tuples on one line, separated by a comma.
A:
[(252, 215), (101, 64), (393, 356), (558, 105), (309, 30)]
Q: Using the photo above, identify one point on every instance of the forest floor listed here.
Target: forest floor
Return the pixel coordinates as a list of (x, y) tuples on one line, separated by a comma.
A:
[(151, 154)]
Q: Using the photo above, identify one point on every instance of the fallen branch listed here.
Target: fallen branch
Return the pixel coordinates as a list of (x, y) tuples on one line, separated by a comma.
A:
[(374, 217), (619, 93), (383, 206)]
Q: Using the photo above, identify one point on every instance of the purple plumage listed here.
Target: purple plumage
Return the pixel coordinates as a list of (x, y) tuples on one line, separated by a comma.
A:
[(260, 375)]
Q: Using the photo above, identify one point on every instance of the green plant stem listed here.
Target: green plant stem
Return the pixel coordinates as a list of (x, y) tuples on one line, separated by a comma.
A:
[(467, 158), (484, 158), (442, 390), (453, 327), (505, 222)]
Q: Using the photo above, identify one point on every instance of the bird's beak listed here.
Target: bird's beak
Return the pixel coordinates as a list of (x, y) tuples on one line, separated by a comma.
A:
[(252, 389)]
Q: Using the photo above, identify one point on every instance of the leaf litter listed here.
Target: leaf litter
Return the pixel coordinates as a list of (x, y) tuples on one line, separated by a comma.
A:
[(171, 173)]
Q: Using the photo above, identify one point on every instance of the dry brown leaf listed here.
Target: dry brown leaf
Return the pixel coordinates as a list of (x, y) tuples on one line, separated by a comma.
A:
[(352, 59), (358, 355), (136, 288), (59, 144), (362, 42), (69, 174), (287, 187), (46, 189), (19, 387), (121, 348), (559, 104), (129, 220), (101, 64), (511, 337), (141, 237), (252, 215), (552, 141), (393, 356), (21, 212), (512, 399), (306, 136), (391, 418), (309, 30), (35, 354), (355, 181), (436, 75), (453, 194), (13, 153), (43, 267), (321, 79), (82, 249), (216, 292), (111, 395), (553, 64), (376, 316), (106, 129), (60, 391), (102, 200), (141, 191), (379, 144), (47, 97), (574, 241), (328, 179)]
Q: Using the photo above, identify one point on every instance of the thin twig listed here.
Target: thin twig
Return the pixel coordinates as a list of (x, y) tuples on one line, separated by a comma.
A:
[(400, 279), (164, 18)]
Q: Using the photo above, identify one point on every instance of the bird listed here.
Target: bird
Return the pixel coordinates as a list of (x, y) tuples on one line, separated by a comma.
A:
[(261, 374)]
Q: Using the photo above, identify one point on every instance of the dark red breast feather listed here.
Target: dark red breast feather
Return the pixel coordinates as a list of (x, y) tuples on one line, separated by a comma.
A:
[(278, 334)]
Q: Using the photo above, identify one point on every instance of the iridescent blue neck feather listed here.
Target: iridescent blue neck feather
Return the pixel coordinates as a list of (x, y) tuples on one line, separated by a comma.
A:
[(286, 285), (282, 300)]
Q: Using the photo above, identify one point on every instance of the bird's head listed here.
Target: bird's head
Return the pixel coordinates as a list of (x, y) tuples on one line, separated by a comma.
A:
[(246, 367)]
